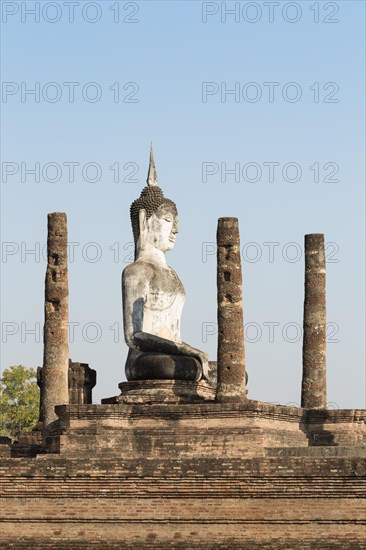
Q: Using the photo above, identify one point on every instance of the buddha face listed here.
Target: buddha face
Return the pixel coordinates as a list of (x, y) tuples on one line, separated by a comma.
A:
[(162, 228)]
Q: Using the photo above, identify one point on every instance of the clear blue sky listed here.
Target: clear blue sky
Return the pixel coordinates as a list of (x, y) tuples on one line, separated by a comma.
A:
[(311, 51)]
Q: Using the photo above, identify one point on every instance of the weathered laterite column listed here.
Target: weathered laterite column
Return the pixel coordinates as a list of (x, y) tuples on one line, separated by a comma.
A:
[(313, 391), (56, 349), (231, 385)]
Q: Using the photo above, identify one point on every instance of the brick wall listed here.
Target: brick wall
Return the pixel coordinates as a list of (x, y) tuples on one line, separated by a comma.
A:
[(198, 476), (138, 504), (209, 429)]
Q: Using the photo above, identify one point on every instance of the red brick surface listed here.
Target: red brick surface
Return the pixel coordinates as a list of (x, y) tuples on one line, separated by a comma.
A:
[(197, 476)]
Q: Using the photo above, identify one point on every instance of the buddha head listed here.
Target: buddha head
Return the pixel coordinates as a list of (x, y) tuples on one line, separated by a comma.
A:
[(154, 218)]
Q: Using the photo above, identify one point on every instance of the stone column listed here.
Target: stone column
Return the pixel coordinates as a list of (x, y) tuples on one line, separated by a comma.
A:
[(313, 391), (55, 334), (231, 379)]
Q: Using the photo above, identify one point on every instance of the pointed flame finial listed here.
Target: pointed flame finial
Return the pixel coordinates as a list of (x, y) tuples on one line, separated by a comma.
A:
[(152, 177)]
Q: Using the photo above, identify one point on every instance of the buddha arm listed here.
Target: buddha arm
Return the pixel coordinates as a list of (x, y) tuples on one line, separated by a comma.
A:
[(150, 342), (134, 290)]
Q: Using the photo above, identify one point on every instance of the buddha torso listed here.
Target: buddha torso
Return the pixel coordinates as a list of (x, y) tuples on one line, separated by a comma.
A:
[(163, 301), (154, 298)]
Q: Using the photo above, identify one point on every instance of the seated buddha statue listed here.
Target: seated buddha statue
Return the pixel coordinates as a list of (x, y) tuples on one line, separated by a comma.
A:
[(153, 295)]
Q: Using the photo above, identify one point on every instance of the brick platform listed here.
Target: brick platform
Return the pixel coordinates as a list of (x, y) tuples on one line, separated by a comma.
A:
[(210, 475)]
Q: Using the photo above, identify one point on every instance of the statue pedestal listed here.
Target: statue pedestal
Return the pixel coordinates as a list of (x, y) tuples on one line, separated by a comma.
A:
[(162, 391)]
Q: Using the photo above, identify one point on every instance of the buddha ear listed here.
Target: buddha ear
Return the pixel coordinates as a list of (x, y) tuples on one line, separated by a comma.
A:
[(143, 227)]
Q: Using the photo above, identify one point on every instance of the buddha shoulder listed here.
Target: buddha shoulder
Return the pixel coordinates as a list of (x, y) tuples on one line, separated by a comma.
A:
[(138, 270)]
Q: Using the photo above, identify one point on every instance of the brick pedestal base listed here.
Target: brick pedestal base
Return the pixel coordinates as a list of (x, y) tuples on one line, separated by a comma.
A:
[(162, 391)]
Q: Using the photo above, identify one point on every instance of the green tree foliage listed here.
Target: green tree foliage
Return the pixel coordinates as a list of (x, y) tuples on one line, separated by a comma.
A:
[(19, 401)]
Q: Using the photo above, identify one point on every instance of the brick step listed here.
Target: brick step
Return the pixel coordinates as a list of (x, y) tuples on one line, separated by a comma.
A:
[(331, 451), (56, 466), (284, 543), (170, 487)]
